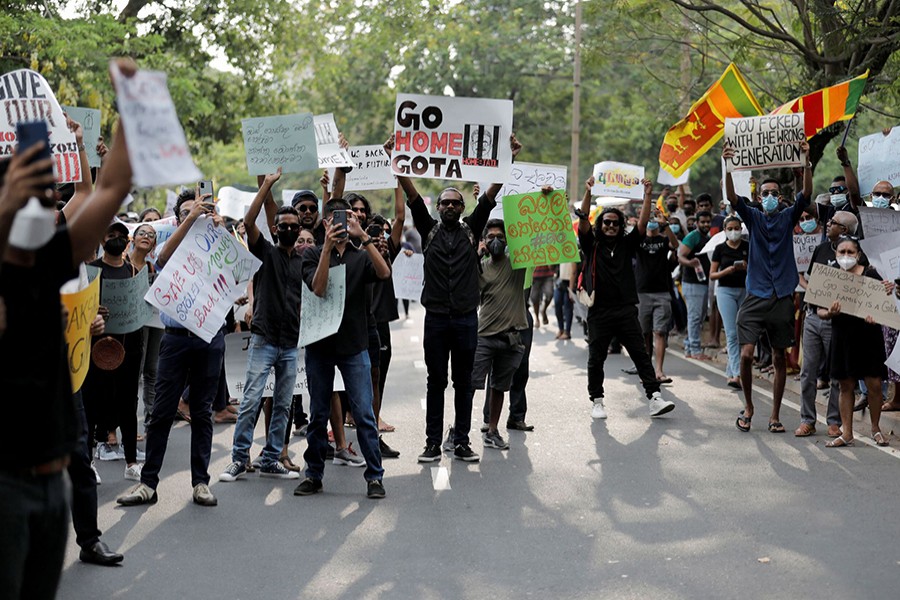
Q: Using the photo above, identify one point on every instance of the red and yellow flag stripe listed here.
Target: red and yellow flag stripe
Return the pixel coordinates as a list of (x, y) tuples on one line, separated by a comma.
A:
[(827, 106)]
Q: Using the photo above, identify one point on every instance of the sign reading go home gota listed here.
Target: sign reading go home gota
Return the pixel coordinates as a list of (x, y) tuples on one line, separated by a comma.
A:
[(465, 139)]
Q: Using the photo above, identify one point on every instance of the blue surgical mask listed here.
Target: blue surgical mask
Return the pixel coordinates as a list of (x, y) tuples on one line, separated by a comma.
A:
[(838, 200), (770, 203), (676, 228), (808, 226), (652, 226), (880, 202)]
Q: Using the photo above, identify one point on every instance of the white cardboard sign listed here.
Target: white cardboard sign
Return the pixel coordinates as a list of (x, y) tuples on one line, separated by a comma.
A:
[(371, 170), (620, 180), (767, 141)]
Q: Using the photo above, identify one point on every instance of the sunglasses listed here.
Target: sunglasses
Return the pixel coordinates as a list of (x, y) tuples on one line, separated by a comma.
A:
[(310, 208), (611, 222), (887, 195), (838, 189), (288, 226), (453, 203)]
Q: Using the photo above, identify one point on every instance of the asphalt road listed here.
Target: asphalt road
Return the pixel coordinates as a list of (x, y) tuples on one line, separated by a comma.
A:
[(681, 507)]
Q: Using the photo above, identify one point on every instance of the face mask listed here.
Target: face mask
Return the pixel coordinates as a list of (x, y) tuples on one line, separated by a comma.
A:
[(880, 202), (676, 228), (838, 200), (652, 226), (671, 207), (769, 203), (287, 239), (808, 226), (497, 247), (846, 262), (732, 235), (115, 246), (387, 235), (33, 226)]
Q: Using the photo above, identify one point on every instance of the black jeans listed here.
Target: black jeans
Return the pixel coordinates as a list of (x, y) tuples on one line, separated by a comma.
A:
[(184, 359), (450, 339), (84, 484), (34, 524), (620, 322), (518, 401), (384, 334)]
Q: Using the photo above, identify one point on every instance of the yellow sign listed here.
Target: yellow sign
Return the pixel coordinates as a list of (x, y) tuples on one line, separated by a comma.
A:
[(81, 308)]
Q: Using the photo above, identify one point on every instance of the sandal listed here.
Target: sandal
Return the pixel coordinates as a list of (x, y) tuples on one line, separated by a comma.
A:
[(385, 427), (183, 416), (838, 442), (743, 423), (776, 427), (663, 380), (288, 464), (889, 406), (879, 439)]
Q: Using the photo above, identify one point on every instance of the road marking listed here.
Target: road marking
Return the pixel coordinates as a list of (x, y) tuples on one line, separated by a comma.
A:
[(419, 364), (424, 404), (414, 339), (784, 402), (440, 478)]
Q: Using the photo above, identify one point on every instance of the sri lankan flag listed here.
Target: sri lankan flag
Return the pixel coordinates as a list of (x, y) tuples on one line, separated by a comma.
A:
[(827, 106), (704, 125)]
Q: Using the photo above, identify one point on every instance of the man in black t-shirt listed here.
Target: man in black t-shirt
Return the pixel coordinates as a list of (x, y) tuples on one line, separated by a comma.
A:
[(654, 286), (609, 277)]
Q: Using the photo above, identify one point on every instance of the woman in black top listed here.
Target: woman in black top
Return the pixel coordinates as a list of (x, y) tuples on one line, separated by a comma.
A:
[(728, 267), (857, 351)]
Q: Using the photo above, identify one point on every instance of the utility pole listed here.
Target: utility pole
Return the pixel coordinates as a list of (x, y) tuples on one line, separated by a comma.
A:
[(574, 178)]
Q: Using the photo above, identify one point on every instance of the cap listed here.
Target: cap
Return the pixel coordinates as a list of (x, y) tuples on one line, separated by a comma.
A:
[(304, 195), (117, 226)]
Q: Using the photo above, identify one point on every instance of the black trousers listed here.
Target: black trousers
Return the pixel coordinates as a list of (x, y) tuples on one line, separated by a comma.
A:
[(620, 322), (84, 483), (384, 334), (518, 401)]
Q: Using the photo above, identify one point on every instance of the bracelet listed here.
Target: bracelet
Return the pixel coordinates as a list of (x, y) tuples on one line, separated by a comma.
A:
[(81, 146), (367, 242)]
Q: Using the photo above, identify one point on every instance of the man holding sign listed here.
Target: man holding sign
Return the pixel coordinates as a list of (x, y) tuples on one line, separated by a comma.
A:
[(771, 280)]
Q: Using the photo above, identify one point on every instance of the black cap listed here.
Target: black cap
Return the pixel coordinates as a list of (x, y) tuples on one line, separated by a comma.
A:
[(304, 195)]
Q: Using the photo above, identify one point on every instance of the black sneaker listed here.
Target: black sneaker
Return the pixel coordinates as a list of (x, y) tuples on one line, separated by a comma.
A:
[(484, 427), (463, 452), (375, 489), (278, 471), (308, 487), (387, 451), (432, 453), (519, 426)]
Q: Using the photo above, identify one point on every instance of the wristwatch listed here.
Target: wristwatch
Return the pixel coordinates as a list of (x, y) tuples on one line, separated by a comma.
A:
[(81, 146), (580, 214), (367, 242)]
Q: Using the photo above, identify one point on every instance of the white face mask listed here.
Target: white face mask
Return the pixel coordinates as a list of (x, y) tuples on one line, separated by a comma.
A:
[(629, 229), (33, 226), (838, 200), (846, 262), (732, 235)]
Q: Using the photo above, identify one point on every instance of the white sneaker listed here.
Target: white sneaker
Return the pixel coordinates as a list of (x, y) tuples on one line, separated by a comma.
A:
[(134, 472), (96, 473), (139, 454), (599, 411), (660, 406), (106, 452)]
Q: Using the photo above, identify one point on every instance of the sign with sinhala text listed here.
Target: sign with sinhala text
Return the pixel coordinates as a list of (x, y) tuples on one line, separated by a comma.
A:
[(89, 118), (768, 141), (618, 179), (439, 137), (859, 295), (128, 311), (287, 141), (539, 229), (208, 271), (531, 177), (321, 317), (26, 96), (408, 273)]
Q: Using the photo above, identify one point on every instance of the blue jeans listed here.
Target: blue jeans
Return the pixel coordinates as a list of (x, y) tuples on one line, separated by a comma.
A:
[(564, 307), (450, 339), (357, 375), (695, 296), (729, 300), (261, 357)]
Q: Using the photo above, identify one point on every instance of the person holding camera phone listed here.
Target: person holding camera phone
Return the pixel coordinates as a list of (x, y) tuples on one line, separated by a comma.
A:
[(728, 267)]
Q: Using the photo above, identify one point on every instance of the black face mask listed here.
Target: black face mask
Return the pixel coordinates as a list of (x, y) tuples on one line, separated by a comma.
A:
[(497, 247), (115, 246), (288, 238)]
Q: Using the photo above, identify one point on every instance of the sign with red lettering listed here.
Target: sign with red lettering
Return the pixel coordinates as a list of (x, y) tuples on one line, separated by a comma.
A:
[(208, 271), (26, 96), (156, 144), (439, 137)]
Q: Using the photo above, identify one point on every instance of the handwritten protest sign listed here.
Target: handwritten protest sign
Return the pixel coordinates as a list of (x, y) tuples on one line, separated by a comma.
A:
[(539, 229), (859, 295), (440, 137), (81, 307), (666, 178), (205, 275), (766, 141), (371, 170), (234, 203), (128, 311), (879, 160), (328, 145), (287, 141), (408, 273), (321, 317), (156, 144), (804, 244), (618, 179), (531, 177), (26, 96), (878, 221), (89, 118), (877, 246)]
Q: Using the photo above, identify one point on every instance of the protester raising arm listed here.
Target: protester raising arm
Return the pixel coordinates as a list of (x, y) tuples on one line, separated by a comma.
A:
[(84, 187), (849, 177), (22, 181), (644, 217), (340, 173), (584, 213), (324, 182), (399, 218), (422, 221), (263, 195)]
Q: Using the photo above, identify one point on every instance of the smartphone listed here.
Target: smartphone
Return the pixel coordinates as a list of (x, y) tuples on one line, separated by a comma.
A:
[(206, 187), (339, 217), (30, 133)]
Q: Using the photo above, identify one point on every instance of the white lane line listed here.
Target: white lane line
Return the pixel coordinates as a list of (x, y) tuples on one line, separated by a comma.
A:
[(414, 339), (424, 404), (440, 478), (419, 364), (784, 402)]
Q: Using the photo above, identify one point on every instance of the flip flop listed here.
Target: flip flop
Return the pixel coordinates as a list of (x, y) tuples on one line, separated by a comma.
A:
[(743, 423), (838, 442), (664, 380), (889, 407), (879, 439), (776, 427)]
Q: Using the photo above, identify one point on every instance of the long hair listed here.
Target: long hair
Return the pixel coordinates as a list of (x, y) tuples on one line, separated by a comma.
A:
[(607, 211)]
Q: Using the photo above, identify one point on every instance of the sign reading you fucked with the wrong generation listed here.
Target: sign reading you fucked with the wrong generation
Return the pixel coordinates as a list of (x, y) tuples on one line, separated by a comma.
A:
[(765, 142), (466, 139)]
